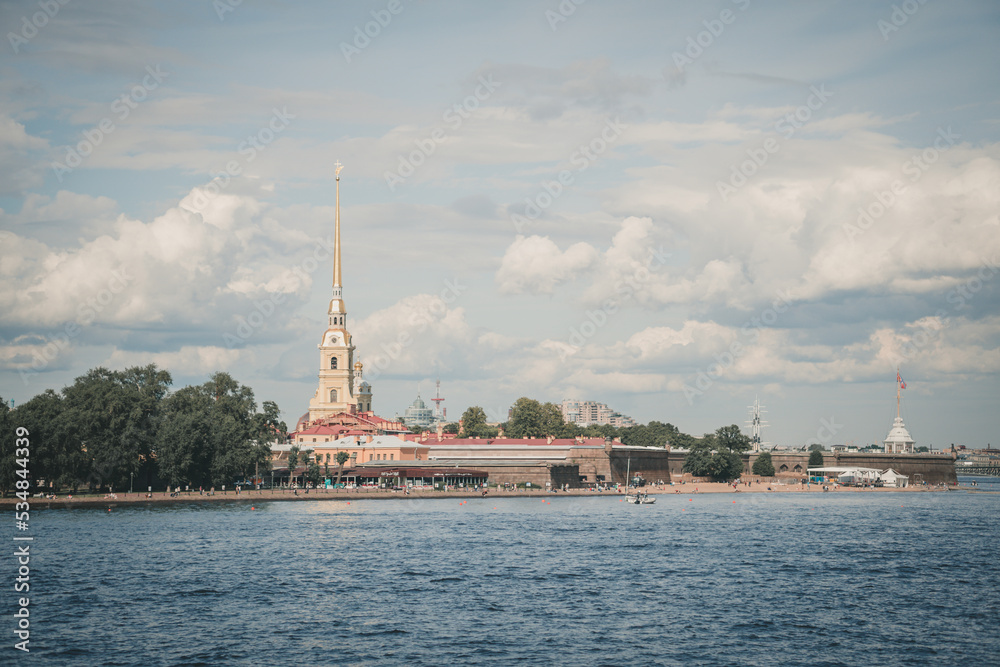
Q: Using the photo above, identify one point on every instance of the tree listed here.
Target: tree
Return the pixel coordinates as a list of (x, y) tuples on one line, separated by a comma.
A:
[(184, 443), (531, 419), (653, 434), (450, 428), (57, 452), (732, 438), (763, 466), (313, 473), (293, 461), (342, 458), (474, 424), (7, 448), (718, 455), (116, 415), (815, 448), (698, 461), (816, 459)]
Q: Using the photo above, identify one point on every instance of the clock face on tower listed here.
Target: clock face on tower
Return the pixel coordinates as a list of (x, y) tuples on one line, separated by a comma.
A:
[(333, 338)]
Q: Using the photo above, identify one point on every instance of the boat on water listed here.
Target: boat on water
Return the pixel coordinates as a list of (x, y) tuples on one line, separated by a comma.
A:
[(639, 498), (636, 497)]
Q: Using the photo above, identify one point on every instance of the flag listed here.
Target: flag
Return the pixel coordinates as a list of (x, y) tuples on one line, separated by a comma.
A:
[(899, 379)]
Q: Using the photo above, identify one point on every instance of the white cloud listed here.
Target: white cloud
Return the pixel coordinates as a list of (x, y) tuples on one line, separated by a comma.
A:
[(535, 265)]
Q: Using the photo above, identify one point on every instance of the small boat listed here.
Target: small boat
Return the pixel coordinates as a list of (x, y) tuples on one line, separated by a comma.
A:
[(639, 498)]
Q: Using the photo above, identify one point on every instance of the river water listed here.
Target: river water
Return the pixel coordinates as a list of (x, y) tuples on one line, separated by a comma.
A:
[(713, 579)]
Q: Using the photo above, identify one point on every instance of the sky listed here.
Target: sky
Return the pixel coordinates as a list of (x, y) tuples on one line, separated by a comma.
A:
[(673, 208)]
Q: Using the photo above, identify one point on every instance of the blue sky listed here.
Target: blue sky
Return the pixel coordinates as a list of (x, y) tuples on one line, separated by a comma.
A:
[(766, 280)]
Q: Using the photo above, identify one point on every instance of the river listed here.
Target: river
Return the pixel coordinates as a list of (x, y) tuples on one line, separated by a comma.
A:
[(714, 579)]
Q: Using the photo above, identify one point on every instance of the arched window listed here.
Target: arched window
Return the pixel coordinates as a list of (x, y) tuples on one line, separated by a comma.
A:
[(333, 363), (333, 395), (797, 468), (783, 468)]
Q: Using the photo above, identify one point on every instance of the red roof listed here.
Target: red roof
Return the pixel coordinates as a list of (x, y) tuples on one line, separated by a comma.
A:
[(319, 430), (533, 442)]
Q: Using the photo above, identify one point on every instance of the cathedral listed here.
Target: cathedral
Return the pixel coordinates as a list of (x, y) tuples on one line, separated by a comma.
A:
[(341, 385)]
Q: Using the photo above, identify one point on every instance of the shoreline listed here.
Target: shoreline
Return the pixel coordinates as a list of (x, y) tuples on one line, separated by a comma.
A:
[(688, 489)]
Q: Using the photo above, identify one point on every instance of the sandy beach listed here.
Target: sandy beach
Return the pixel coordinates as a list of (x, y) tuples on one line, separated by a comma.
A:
[(687, 489)]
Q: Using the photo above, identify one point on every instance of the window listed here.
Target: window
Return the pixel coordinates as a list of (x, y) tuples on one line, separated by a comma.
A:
[(333, 395), (390, 457), (314, 439), (369, 457), (333, 363), (328, 457)]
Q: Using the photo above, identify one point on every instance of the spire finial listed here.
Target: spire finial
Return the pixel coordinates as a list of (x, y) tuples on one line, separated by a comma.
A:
[(336, 235)]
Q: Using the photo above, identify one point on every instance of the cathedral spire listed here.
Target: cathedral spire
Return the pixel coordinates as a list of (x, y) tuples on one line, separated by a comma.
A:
[(337, 313), (336, 235)]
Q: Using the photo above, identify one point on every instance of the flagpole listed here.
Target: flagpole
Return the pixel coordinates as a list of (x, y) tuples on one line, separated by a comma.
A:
[(897, 392)]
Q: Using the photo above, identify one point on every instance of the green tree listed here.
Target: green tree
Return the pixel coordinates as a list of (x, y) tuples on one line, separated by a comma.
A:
[(342, 458), (718, 455), (474, 424), (293, 461), (682, 441), (698, 461), (7, 448), (653, 434), (763, 466), (815, 448), (816, 459), (531, 419), (450, 428), (57, 453), (116, 414), (313, 473), (184, 443)]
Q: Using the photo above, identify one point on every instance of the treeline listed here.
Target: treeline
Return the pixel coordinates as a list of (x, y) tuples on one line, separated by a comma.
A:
[(716, 455), (532, 419), (110, 429)]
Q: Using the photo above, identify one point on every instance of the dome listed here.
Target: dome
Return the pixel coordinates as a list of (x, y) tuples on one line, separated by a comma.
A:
[(303, 420), (899, 434), (419, 403), (358, 366)]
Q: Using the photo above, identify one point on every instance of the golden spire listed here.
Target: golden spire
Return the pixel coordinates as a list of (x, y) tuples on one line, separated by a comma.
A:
[(336, 235)]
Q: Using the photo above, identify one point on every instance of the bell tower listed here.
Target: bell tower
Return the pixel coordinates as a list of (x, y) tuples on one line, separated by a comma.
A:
[(337, 374)]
